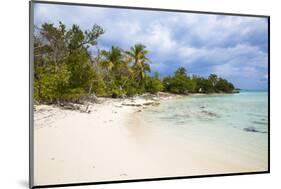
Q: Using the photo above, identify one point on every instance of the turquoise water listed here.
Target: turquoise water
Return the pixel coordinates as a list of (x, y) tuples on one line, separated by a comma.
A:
[(245, 111), (228, 129)]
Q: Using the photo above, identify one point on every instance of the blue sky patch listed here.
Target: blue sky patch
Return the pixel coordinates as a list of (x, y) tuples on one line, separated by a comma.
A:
[(233, 47)]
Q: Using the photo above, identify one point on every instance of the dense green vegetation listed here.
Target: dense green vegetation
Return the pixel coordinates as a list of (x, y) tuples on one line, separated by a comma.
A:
[(181, 83), (65, 70)]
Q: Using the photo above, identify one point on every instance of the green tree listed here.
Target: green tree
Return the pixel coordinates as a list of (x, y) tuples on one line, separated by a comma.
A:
[(117, 71), (224, 86), (213, 78), (65, 70), (167, 81), (203, 85), (153, 84), (62, 64), (76, 38), (180, 83), (138, 55)]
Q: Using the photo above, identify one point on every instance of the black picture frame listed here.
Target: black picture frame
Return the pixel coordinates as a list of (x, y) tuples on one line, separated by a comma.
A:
[(31, 29)]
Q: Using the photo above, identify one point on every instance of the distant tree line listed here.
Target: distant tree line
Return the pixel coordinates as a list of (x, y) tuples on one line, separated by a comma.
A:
[(181, 83), (64, 69)]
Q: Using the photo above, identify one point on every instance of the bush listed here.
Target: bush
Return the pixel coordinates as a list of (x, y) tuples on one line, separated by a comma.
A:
[(180, 83), (153, 84)]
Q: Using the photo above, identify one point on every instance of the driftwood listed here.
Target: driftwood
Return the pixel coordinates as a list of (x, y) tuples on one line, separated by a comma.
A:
[(78, 107), (70, 106)]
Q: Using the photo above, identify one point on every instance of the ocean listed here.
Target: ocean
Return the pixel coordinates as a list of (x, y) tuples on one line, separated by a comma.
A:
[(233, 125), (246, 111)]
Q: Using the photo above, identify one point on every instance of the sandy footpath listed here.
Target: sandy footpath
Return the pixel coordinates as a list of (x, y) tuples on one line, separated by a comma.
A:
[(110, 143)]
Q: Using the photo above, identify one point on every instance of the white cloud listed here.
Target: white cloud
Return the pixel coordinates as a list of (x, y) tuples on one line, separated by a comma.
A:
[(223, 44)]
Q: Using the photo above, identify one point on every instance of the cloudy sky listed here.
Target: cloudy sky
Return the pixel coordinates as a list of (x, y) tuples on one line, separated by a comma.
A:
[(232, 47)]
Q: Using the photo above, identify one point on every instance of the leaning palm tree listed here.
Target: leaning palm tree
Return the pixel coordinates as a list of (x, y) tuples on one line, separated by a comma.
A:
[(138, 55)]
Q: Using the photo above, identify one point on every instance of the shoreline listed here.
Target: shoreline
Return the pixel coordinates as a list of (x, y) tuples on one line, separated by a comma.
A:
[(72, 141), (111, 143), (145, 99)]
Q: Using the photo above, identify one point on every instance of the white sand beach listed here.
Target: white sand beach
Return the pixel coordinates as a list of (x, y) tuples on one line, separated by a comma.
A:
[(110, 143)]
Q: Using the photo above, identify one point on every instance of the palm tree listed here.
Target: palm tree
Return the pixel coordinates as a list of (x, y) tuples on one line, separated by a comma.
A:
[(138, 54), (116, 66), (112, 59)]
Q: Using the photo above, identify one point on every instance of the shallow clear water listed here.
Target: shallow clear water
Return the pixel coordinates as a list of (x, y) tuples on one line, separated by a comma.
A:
[(246, 111), (233, 127)]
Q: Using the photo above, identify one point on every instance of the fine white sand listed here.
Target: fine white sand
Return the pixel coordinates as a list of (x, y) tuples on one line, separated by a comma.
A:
[(110, 143)]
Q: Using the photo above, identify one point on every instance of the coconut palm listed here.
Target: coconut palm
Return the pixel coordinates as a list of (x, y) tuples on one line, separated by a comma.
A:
[(138, 55), (112, 59)]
